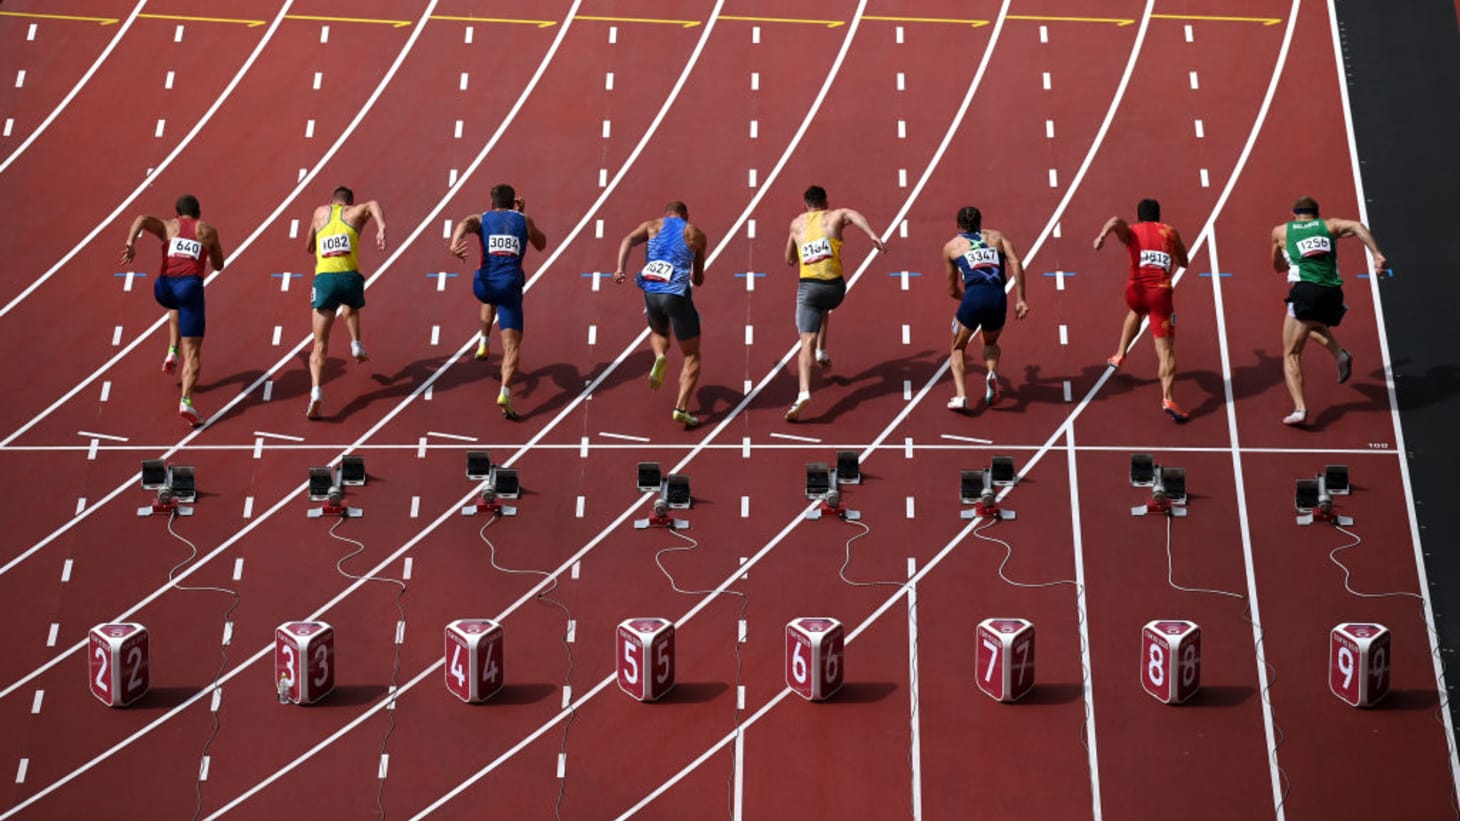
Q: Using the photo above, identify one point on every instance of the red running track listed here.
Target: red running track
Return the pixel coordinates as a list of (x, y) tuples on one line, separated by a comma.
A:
[(1034, 159)]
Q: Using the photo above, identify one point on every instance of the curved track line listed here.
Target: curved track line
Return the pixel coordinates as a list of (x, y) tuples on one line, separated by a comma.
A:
[(162, 166), (241, 533), (1426, 606), (76, 89), (333, 149)]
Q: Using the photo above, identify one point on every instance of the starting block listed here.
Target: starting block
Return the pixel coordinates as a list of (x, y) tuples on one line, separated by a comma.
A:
[(814, 648), (474, 659), (304, 661), (119, 655), (165, 505), (1171, 660), (831, 505), (1005, 658), (1358, 663), (660, 517), (645, 657), (489, 504)]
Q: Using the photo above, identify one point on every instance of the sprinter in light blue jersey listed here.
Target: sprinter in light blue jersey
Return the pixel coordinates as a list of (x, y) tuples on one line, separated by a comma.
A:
[(503, 234), (674, 264)]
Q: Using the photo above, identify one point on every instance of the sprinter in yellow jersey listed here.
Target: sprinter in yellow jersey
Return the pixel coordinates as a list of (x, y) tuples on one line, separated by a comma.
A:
[(334, 239), (815, 244)]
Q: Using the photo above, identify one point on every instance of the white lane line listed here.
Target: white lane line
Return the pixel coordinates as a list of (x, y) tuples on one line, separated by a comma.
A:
[(106, 436), (293, 231), (248, 507), (407, 568), (161, 126), (435, 335), (906, 334), (278, 334), (971, 439), (915, 756), (902, 129), (1044, 34), (755, 81), (607, 129), (37, 701), (907, 447), (562, 765), (794, 438), (309, 129), (572, 635), (1414, 536), (258, 448), (75, 89), (1068, 391), (384, 766), (287, 437), (456, 436), (603, 178), (750, 178), (324, 34), (1194, 84), (899, 35), (612, 34), (400, 632), (907, 390), (749, 335), (470, 33), (237, 569), (911, 507), (217, 700), (66, 570), (745, 445), (592, 334), (608, 81), (167, 81), (269, 390), (1201, 131), (30, 33), (578, 508), (421, 448), (456, 132), (106, 390), (21, 769), (80, 505), (415, 507), (318, 80), (755, 129), (627, 437), (750, 230), (1053, 179), (177, 34), (52, 634), (1046, 81), (1088, 684), (91, 451), (9, 126), (450, 181), (1049, 129), (901, 81), (1064, 334), (1206, 180), (745, 507), (583, 448), (227, 633), (597, 234), (576, 571), (902, 178), (1189, 34)]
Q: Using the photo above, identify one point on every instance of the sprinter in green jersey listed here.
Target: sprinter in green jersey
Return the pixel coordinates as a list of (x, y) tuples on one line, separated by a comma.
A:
[(1304, 250)]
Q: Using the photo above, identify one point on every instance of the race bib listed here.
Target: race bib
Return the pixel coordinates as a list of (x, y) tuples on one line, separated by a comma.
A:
[(815, 250), (982, 257), (1315, 247), (334, 245), (1156, 259), (504, 245), (657, 271), (189, 248)]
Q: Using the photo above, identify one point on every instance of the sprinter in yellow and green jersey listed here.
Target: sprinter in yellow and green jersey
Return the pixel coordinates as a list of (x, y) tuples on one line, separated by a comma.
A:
[(815, 244), (1303, 248), (334, 239)]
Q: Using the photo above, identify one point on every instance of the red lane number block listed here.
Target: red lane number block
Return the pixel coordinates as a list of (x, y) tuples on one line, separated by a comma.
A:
[(304, 661), (119, 655), (1358, 663), (814, 649), (1005, 658), (474, 659), (645, 657), (1171, 660)]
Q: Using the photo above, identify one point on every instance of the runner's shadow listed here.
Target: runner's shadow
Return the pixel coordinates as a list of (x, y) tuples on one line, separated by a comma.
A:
[(1376, 398), (399, 384), (164, 698), (293, 383), (1037, 389), (243, 378), (1262, 373), (716, 401), (1409, 699), (568, 380), (879, 380)]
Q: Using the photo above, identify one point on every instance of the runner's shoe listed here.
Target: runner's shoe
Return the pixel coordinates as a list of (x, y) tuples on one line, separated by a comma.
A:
[(991, 391), (683, 417), (1345, 365), (358, 351), (958, 403), (505, 403), (189, 413), (1174, 410), (656, 373), (823, 358), (169, 362), (796, 407), (1297, 417), (483, 350), (314, 408)]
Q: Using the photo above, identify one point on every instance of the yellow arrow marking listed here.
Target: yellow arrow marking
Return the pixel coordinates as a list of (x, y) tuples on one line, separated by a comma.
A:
[(105, 21), (689, 24), (1266, 21), (1119, 21), (187, 19), (542, 24), (315, 18), (974, 23), (831, 24)]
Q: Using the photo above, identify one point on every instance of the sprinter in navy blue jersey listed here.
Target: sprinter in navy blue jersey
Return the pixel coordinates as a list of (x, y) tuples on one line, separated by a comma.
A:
[(674, 264), (978, 263), (503, 234)]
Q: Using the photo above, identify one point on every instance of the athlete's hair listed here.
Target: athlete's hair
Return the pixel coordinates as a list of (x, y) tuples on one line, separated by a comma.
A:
[(970, 219), (343, 195), (187, 206), (503, 196), (1148, 210), (1306, 205), (677, 208), (815, 197)]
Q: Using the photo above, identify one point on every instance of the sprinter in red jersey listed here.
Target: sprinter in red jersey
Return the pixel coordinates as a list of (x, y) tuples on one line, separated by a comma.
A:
[(189, 247), (1156, 251)]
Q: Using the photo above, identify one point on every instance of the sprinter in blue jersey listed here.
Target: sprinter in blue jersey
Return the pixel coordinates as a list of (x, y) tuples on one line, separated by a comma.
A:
[(502, 234), (673, 266), (978, 263)]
